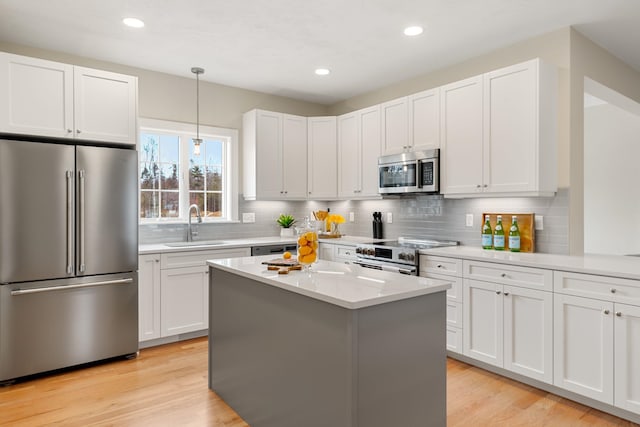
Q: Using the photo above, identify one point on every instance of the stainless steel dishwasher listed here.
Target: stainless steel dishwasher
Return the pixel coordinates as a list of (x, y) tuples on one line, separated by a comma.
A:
[(273, 249)]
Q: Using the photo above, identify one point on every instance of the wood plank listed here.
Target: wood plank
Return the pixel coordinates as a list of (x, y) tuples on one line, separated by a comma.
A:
[(167, 386)]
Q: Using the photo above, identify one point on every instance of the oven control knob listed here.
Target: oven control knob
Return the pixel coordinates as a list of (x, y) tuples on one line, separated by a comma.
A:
[(371, 251), (358, 250), (402, 255), (410, 257)]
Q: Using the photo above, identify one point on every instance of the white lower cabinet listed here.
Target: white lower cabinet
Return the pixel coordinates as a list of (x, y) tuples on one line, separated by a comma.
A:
[(337, 253), (174, 289), (509, 327), (584, 346), (597, 338), (184, 300), (148, 297)]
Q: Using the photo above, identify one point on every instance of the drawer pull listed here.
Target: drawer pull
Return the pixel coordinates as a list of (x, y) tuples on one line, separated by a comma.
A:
[(613, 290), (619, 313), (506, 294), (606, 311), (439, 266), (498, 292), (503, 275)]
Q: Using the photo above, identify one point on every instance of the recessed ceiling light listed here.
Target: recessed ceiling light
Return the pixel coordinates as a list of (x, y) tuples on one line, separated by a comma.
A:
[(413, 31), (133, 22), (323, 71)]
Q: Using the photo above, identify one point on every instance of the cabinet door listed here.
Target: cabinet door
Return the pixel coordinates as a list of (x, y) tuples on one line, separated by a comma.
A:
[(322, 159), (370, 151), (36, 96), (395, 126), (424, 120), (149, 297), (184, 300), (627, 357), (348, 155), (461, 139), (294, 157), (105, 106), (528, 332), (583, 346), (326, 251), (269, 156), (482, 320), (510, 128)]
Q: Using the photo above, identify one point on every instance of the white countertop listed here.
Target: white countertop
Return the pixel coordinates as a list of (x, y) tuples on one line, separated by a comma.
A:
[(607, 265), (248, 242), (346, 285)]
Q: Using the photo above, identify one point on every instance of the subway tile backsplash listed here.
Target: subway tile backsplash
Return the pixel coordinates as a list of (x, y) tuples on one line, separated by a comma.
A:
[(414, 215)]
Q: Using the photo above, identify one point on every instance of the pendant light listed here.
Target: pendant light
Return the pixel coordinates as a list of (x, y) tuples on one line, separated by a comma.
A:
[(197, 141)]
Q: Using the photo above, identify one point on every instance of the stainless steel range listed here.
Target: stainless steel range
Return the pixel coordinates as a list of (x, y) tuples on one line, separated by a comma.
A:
[(399, 256)]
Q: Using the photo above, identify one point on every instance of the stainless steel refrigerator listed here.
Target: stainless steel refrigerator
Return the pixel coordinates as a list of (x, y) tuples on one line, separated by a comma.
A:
[(68, 255)]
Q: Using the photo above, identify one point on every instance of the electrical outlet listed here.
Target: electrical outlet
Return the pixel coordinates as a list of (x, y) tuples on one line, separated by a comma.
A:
[(352, 216), (539, 219), (469, 220), (389, 217), (248, 217)]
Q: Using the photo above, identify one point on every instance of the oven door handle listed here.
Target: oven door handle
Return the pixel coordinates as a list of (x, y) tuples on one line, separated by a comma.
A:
[(385, 267)]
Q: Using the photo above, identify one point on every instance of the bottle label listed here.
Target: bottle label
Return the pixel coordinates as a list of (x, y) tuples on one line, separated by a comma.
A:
[(514, 242), (486, 240), (498, 242)]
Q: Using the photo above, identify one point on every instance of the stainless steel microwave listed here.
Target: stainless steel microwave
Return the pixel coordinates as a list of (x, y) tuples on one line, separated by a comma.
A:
[(411, 172)]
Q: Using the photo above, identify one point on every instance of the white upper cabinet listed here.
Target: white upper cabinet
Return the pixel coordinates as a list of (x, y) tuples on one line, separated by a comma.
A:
[(358, 152), (499, 133), (46, 98), (275, 156), (105, 105), (462, 148), (322, 161), (424, 120), (394, 116)]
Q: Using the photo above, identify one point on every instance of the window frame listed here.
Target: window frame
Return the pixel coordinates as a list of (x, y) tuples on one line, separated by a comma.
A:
[(187, 131)]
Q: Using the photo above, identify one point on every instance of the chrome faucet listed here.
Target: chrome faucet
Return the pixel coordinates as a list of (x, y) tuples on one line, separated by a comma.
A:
[(190, 231)]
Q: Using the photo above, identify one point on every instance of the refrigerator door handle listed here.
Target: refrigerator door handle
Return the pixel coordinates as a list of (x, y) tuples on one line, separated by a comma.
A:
[(66, 287), (69, 222), (81, 199)]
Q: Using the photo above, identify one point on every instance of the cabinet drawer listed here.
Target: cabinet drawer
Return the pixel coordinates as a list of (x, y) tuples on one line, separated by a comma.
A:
[(526, 277), (430, 264), (600, 287), (454, 314), (455, 292), (199, 258), (344, 253), (454, 339)]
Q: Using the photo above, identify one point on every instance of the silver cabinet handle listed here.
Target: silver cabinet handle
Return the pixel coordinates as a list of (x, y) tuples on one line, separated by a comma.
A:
[(69, 175), (78, 131), (619, 313), (81, 188), (606, 311), (503, 275), (478, 186), (613, 290), (439, 265), (78, 286), (69, 130), (506, 294), (498, 292), (486, 185)]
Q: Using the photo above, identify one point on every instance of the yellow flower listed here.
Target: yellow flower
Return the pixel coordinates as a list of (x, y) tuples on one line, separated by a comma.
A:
[(338, 219)]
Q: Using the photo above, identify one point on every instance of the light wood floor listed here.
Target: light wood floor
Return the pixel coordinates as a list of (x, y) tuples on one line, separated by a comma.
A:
[(167, 386)]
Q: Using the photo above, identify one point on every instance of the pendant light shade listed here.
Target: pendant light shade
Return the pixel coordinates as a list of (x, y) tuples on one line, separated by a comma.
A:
[(197, 141)]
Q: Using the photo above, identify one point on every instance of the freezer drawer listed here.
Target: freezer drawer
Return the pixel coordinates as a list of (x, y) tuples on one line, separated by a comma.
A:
[(59, 323)]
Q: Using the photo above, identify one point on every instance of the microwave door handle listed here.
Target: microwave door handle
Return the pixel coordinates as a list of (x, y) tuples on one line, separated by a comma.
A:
[(419, 174)]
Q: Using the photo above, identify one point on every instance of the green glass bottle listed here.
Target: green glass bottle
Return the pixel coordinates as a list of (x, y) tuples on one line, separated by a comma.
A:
[(498, 235), (487, 234), (514, 235)]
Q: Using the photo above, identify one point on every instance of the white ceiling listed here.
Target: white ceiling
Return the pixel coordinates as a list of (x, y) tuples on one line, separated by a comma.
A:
[(273, 46)]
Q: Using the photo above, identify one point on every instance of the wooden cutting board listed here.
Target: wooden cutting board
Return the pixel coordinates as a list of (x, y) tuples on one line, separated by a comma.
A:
[(526, 225), (281, 262)]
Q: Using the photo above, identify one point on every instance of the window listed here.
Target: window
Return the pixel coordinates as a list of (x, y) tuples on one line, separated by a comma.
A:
[(172, 177)]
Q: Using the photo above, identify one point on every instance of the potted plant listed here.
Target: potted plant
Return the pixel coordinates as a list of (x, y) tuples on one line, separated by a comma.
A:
[(286, 221)]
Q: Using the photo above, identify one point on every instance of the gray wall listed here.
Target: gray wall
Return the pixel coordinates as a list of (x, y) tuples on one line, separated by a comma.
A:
[(424, 216)]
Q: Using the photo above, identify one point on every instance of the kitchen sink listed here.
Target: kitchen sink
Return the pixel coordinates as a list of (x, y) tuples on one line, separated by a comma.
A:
[(196, 243)]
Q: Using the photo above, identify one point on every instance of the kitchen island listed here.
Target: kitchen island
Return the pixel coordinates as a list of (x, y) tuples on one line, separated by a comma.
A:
[(341, 345)]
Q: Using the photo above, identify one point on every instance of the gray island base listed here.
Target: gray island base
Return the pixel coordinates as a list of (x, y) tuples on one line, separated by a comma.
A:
[(280, 358)]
